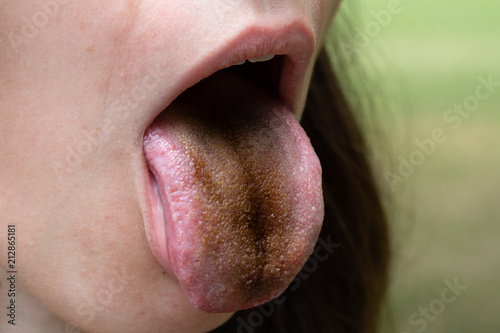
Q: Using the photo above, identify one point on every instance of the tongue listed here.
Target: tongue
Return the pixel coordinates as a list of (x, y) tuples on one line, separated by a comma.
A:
[(241, 192)]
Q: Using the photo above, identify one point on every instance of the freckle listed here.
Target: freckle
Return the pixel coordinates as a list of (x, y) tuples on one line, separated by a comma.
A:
[(82, 26), (90, 48)]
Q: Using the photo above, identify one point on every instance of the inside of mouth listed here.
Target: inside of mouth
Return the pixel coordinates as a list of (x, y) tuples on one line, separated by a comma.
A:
[(265, 74)]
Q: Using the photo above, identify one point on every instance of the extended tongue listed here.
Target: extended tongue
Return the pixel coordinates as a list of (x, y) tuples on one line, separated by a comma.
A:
[(241, 192)]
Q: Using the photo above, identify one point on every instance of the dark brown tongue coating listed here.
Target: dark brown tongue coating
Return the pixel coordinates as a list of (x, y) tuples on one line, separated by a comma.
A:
[(250, 239)]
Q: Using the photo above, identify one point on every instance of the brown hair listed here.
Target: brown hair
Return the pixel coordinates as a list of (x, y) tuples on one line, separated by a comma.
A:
[(344, 291)]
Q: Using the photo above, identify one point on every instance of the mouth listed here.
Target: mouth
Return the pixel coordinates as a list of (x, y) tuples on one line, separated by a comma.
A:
[(235, 186)]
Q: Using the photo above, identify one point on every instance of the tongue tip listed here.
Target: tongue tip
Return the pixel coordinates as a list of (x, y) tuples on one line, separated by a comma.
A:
[(217, 292), (229, 304), (214, 295)]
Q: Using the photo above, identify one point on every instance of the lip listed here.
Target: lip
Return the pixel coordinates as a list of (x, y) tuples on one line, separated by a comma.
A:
[(295, 41)]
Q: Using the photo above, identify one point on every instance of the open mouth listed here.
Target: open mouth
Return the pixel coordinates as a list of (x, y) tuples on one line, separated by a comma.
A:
[(236, 187)]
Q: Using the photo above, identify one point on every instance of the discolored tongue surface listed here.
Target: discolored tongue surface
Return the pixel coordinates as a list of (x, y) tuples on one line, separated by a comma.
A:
[(241, 192)]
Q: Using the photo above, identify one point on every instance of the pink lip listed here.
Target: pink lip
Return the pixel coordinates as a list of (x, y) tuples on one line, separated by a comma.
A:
[(295, 41)]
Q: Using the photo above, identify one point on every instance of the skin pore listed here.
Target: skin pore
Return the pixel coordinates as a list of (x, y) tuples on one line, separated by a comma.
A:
[(80, 82)]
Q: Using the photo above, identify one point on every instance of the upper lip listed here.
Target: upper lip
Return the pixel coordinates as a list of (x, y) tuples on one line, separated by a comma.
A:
[(296, 42)]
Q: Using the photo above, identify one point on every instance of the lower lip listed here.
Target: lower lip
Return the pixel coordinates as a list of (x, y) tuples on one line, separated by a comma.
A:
[(156, 224)]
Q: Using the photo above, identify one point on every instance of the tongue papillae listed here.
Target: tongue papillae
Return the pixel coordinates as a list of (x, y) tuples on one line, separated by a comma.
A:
[(241, 192)]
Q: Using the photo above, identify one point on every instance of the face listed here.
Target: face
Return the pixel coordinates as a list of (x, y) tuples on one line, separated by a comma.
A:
[(82, 88)]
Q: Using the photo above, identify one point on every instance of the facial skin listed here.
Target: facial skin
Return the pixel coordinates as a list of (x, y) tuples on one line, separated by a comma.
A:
[(72, 165)]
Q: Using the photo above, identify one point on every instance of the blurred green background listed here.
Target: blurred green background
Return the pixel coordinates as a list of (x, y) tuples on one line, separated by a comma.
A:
[(414, 66)]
